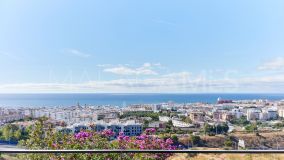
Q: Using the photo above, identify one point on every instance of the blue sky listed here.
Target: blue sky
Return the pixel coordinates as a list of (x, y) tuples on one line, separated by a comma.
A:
[(146, 46)]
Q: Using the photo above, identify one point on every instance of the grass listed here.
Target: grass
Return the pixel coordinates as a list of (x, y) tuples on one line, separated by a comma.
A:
[(186, 156), (8, 157), (227, 157)]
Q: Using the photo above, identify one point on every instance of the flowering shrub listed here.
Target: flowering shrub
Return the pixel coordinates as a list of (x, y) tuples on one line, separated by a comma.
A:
[(96, 140), (108, 133), (147, 141), (83, 135)]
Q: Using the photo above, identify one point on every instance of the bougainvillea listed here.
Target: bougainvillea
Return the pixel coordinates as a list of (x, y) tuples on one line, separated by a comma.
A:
[(97, 141)]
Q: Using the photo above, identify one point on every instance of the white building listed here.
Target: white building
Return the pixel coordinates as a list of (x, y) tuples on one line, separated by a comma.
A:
[(237, 113), (272, 114), (129, 128), (281, 112), (164, 118), (253, 114)]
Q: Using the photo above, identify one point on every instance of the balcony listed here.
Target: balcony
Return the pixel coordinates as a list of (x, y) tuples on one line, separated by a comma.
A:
[(250, 154)]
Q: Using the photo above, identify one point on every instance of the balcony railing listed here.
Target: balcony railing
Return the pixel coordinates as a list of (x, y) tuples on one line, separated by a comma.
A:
[(16, 151)]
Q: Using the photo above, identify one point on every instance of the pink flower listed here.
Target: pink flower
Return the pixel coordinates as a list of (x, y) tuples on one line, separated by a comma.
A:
[(108, 133), (142, 147), (126, 138), (82, 135), (169, 141), (121, 134), (150, 130), (142, 137), (54, 145)]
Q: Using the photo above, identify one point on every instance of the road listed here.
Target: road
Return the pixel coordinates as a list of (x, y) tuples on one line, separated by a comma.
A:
[(4, 147)]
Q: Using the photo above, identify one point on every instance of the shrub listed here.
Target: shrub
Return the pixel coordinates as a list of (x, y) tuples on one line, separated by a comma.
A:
[(48, 139)]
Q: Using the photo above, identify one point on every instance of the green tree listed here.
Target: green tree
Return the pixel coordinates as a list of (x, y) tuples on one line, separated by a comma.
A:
[(240, 121), (186, 119), (195, 140), (175, 139), (228, 143), (169, 124), (8, 132), (251, 128), (18, 134), (207, 128), (219, 129), (154, 116), (36, 141)]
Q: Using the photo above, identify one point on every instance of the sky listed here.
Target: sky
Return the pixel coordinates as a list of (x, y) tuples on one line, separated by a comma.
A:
[(127, 46)]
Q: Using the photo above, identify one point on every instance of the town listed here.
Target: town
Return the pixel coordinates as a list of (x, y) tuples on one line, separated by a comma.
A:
[(195, 119)]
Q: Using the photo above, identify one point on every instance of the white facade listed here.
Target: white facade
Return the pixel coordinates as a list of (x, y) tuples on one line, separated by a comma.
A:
[(253, 114), (237, 113), (281, 112), (129, 128)]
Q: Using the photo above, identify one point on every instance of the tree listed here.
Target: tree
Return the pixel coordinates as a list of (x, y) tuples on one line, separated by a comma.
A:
[(219, 129), (146, 123), (195, 140), (154, 116), (228, 143), (240, 121), (251, 128), (169, 124), (186, 119), (8, 132), (207, 128), (18, 134), (35, 141), (175, 139)]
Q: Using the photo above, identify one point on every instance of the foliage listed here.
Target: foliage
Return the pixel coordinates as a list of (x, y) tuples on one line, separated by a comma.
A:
[(219, 129), (240, 121), (186, 119), (228, 143), (175, 139), (251, 128), (169, 124), (279, 125), (195, 140), (11, 132), (154, 116), (146, 124), (47, 138)]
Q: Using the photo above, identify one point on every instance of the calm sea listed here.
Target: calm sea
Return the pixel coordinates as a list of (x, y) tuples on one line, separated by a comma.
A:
[(37, 100)]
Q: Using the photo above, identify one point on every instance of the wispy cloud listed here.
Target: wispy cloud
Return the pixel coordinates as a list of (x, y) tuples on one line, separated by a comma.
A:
[(275, 64), (103, 65), (173, 82), (77, 53), (150, 81), (145, 69)]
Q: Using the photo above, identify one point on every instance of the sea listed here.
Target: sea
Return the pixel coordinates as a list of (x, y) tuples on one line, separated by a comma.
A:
[(121, 99)]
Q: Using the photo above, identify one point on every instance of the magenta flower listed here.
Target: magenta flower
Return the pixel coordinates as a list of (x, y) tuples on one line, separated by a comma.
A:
[(142, 147), (82, 135), (150, 130), (142, 137), (169, 141), (121, 134), (54, 145), (108, 133), (126, 138)]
